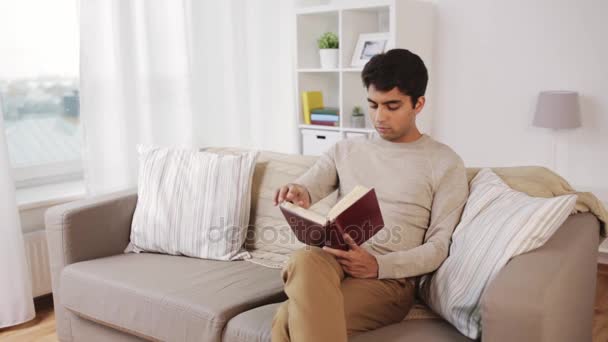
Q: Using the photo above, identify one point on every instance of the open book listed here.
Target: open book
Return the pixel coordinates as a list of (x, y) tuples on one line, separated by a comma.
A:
[(357, 213)]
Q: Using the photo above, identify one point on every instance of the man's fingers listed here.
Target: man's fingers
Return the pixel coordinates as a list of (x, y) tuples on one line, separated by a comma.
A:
[(290, 191), (351, 243), (336, 252), (347, 263), (353, 266), (352, 271), (294, 193), (282, 193)]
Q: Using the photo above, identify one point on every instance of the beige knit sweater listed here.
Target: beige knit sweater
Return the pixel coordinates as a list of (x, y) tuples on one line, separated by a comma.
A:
[(422, 189)]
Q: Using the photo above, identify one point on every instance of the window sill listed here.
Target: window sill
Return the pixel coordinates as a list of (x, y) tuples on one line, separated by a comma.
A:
[(49, 194)]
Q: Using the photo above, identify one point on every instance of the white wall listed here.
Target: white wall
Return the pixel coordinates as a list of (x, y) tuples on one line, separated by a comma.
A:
[(491, 60)]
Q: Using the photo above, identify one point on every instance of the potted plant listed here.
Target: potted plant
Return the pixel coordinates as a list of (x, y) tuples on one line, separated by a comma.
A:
[(328, 50), (357, 118)]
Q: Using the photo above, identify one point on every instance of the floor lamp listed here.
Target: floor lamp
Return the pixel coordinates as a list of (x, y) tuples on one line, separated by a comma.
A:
[(557, 109)]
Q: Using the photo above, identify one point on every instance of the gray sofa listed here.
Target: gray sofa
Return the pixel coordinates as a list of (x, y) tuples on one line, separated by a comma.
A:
[(102, 294)]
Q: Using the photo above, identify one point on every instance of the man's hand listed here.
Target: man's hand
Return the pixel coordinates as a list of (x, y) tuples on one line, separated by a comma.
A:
[(294, 193), (357, 261)]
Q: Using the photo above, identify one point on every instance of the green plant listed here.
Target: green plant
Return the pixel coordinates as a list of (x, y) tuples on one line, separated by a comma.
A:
[(328, 40), (357, 111)]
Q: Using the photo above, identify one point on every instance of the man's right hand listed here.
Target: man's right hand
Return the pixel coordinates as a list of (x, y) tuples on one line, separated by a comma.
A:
[(294, 193)]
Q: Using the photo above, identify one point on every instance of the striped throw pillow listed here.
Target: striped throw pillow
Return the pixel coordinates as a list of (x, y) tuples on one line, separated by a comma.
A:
[(192, 203), (497, 224)]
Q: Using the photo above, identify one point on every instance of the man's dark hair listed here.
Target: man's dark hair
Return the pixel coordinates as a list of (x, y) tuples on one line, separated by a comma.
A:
[(397, 68)]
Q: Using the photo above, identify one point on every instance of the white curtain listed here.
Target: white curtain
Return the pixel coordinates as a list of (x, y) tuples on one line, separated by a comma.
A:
[(183, 73), (16, 302)]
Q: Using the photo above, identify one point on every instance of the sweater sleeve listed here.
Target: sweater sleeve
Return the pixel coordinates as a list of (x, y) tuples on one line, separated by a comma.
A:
[(448, 203), (322, 178)]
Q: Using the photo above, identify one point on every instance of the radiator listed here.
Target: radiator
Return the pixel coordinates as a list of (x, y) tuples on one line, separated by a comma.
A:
[(37, 254)]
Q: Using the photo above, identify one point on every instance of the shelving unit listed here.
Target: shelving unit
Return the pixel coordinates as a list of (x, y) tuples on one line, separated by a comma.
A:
[(409, 24)]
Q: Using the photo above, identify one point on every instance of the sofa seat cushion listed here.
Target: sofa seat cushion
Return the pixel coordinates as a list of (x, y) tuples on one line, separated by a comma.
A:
[(251, 326), (428, 330), (169, 298), (254, 326)]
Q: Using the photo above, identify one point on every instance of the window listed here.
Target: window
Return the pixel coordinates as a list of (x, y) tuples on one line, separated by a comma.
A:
[(39, 90)]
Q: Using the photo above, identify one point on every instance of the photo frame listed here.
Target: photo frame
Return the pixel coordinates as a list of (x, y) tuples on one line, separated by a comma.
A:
[(368, 45)]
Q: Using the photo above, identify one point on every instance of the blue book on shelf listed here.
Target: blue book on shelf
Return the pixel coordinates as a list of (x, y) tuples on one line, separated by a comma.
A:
[(324, 117)]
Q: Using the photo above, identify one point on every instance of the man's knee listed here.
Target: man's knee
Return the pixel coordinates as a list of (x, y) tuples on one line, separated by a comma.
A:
[(308, 260), (306, 256)]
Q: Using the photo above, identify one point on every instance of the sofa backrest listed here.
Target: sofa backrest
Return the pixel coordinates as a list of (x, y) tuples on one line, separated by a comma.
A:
[(273, 169)]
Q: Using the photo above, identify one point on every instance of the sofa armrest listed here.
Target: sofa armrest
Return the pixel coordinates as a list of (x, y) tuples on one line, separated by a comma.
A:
[(547, 294), (91, 228), (82, 230)]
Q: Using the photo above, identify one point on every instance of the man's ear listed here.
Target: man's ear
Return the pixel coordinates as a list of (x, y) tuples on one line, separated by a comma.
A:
[(419, 104)]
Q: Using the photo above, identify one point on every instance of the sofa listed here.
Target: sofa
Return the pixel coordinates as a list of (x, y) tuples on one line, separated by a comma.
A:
[(102, 294)]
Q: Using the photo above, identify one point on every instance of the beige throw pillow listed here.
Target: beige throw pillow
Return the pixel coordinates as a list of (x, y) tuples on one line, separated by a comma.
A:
[(192, 203), (497, 224)]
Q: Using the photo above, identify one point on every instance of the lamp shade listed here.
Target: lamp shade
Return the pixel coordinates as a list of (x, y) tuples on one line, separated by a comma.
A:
[(557, 110)]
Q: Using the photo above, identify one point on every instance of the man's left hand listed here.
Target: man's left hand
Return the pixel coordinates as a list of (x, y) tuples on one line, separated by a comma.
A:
[(357, 261)]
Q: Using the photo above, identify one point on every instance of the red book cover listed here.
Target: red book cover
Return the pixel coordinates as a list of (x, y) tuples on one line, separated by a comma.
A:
[(323, 123), (357, 214)]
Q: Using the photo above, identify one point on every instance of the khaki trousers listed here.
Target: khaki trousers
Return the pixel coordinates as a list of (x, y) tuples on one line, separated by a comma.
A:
[(326, 305)]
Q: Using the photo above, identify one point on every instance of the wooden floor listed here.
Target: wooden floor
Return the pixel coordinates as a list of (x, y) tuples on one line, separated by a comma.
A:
[(42, 328)]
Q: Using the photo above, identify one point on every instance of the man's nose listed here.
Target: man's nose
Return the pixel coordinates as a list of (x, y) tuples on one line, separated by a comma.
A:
[(380, 115)]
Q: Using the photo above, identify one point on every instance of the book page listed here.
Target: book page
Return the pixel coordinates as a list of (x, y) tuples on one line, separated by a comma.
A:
[(305, 213), (346, 201)]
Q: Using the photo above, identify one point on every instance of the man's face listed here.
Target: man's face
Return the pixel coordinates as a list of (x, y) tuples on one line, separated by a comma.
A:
[(392, 112)]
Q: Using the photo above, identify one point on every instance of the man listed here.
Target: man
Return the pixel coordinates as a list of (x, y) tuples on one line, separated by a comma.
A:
[(422, 188)]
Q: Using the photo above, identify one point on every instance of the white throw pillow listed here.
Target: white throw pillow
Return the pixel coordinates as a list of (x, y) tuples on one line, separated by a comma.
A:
[(192, 203), (497, 224)]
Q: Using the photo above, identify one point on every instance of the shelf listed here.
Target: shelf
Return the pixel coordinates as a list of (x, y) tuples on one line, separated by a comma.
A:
[(358, 130), (317, 70), (357, 21), (318, 9), (328, 83), (336, 128), (354, 95), (408, 24), (309, 29), (355, 69), (320, 127)]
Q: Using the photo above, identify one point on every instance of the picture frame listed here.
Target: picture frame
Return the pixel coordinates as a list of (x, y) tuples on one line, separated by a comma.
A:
[(368, 45)]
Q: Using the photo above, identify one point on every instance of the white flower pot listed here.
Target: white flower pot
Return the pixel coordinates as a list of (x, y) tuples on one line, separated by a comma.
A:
[(329, 58), (357, 121)]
